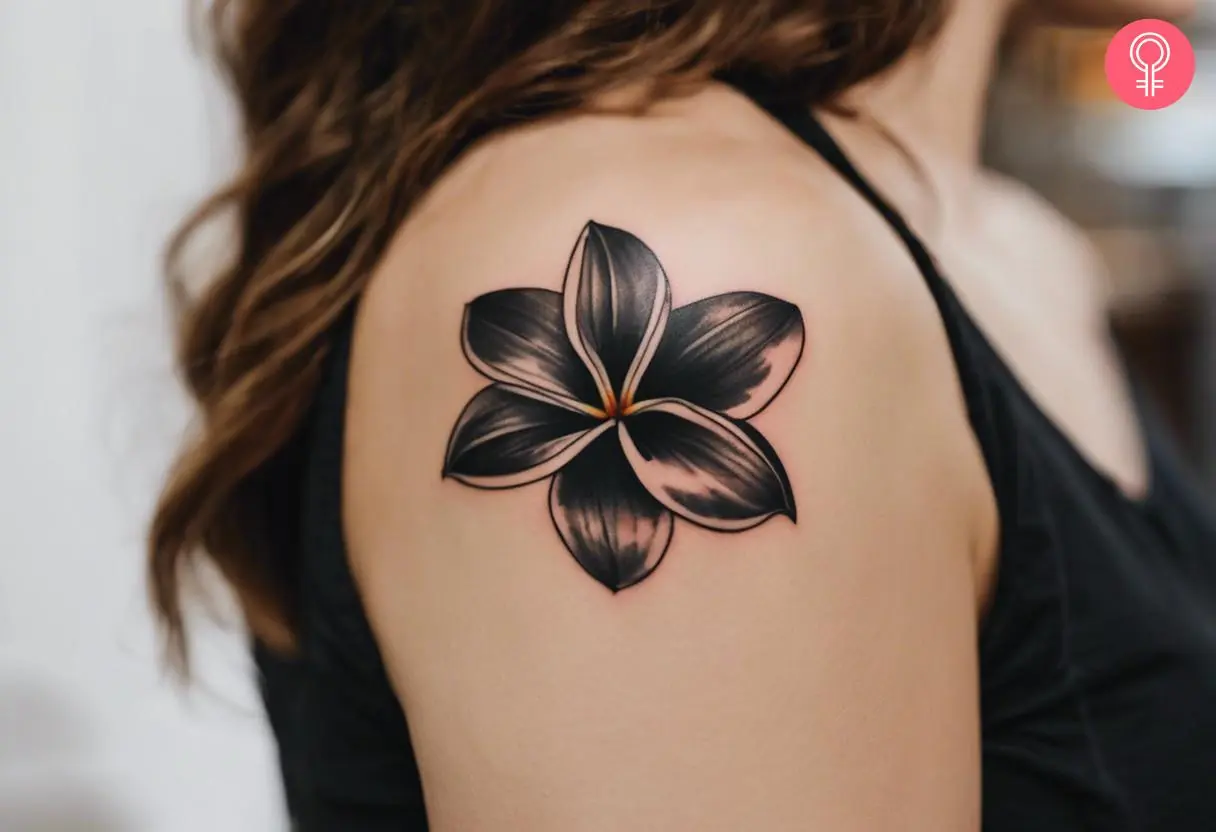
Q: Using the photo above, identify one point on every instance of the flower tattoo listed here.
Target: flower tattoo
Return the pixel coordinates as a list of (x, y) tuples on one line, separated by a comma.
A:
[(636, 410)]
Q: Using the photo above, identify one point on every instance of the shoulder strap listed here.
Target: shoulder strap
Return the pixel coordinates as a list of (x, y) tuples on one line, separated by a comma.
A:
[(803, 124), (967, 342)]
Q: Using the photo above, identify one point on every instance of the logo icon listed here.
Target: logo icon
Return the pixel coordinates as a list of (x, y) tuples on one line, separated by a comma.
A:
[(1150, 64), (1151, 82)]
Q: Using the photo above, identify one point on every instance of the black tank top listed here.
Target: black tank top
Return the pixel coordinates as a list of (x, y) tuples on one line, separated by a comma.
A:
[(1097, 655)]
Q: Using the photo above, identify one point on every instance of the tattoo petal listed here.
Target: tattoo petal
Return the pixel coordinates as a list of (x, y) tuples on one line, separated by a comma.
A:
[(615, 529), (517, 336), (616, 301), (709, 469), (730, 353), (507, 437)]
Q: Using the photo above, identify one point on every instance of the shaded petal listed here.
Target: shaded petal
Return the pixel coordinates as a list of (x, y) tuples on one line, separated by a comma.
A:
[(507, 437), (711, 470), (517, 336), (616, 300), (731, 353), (616, 531)]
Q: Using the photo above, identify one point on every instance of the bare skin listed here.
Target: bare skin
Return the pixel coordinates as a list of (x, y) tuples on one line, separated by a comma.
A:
[(810, 675)]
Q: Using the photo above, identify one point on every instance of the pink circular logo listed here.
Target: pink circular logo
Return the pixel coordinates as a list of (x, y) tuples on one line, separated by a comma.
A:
[(1150, 64)]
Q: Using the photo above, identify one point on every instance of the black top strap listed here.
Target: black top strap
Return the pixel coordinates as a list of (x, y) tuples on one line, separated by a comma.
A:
[(964, 340), (803, 124)]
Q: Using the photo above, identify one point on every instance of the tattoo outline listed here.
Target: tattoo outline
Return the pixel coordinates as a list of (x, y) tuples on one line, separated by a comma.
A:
[(637, 412)]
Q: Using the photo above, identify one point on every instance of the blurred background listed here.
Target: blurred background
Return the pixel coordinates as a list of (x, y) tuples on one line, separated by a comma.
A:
[(1143, 185), (110, 130)]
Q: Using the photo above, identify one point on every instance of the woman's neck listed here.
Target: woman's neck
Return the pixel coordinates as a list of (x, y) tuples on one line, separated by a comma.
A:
[(934, 100)]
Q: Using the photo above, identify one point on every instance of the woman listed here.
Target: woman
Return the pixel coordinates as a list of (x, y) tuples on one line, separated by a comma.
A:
[(662, 478)]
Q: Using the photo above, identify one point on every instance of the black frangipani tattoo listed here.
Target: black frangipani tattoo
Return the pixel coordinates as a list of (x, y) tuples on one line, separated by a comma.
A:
[(636, 410)]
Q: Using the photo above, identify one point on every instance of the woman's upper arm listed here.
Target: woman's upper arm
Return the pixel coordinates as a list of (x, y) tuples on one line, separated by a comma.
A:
[(667, 534)]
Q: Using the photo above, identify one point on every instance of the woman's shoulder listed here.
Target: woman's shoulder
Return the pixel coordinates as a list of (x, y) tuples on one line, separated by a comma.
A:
[(651, 444), (741, 208), (746, 205), (739, 212)]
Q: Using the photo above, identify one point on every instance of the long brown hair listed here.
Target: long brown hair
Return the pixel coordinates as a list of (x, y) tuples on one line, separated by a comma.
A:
[(350, 111)]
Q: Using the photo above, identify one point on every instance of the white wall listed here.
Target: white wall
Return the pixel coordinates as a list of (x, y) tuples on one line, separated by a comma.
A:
[(106, 137)]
